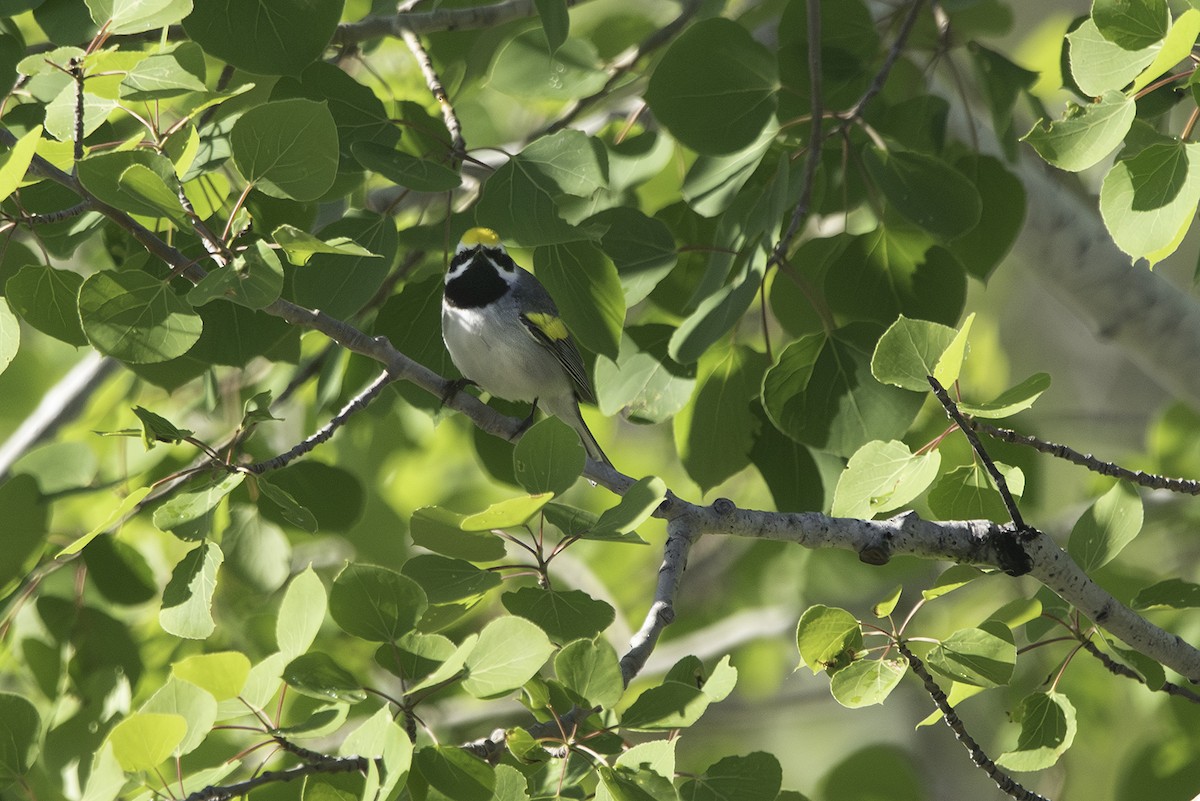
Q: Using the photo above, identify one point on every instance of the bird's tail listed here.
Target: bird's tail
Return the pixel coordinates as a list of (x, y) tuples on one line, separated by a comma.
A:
[(568, 412)]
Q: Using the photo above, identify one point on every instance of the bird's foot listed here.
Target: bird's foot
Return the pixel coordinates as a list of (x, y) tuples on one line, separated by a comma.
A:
[(454, 387)]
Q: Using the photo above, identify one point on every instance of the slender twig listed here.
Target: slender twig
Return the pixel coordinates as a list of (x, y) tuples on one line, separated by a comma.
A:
[(623, 63), (855, 111), (951, 408), (1006, 783), (457, 143), (1117, 669), (329, 765), (76, 72), (1185, 486), (357, 403), (442, 19), (800, 213)]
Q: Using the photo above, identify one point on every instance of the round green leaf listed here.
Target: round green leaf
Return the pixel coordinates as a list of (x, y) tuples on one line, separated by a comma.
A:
[(136, 318), (16, 160), (281, 37), (909, 351), (301, 613), (506, 514), (287, 148), (1106, 527), (253, 279), (145, 739), (644, 383), (827, 638), (983, 656), (48, 299), (455, 773), (882, 476), (441, 531), (715, 87), (421, 175), (587, 289), (510, 651), (1047, 731), (1132, 25), (1085, 135), (19, 726), (549, 457), (563, 614), (757, 776), (194, 704), (340, 285), (222, 674), (867, 682), (1100, 66), (1172, 593), (375, 603), (927, 191), (316, 674), (187, 598), (525, 69), (446, 580), (1148, 200), (10, 335), (590, 669)]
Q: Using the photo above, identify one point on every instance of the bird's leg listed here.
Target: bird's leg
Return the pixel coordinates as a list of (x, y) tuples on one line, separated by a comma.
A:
[(454, 387), (528, 421)]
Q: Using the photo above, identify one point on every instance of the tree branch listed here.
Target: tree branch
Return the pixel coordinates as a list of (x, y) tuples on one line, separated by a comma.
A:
[(443, 19)]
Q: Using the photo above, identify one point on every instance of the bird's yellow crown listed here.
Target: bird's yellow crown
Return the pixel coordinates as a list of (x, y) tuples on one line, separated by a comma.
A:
[(481, 236)]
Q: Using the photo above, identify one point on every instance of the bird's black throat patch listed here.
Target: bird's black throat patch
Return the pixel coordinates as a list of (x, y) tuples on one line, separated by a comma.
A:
[(478, 285)]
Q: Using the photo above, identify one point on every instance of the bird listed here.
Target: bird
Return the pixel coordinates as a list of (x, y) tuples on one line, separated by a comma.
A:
[(504, 334)]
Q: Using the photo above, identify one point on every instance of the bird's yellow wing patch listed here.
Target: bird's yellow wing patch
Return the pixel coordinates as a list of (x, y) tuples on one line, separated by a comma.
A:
[(549, 325)]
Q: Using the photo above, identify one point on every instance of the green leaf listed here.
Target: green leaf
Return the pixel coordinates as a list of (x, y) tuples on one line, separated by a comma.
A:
[(446, 580), (171, 72), (145, 739), (719, 313), (301, 613), (633, 783), (189, 506), (757, 776), (455, 774), (867, 682), (635, 507), (135, 16), (1100, 66), (381, 739), (556, 22), (949, 364), (421, 175), (1106, 527), (223, 674), (156, 428), (19, 728), (253, 279), (926, 191), (533, 66), (565, 615), (981, 249), (967, 493), (983, 656), (1047, 731), (375, 603), (644, 383), (549, 457), (716, 431), (1086, 135), (10, 335), (951, 579), (300, 246), (187, 599), (285, 505), (882, 476), (821, 392), (591, 669), (506, 514), (123, 508), (136, 318), (342, 285), (277, 39), (440, 530), (682, 698), (909, 351), (1175, 48), (715, 87), (147, 193), (1012, 400), (287, 148), (510, 651), (1132, 24), (48, 300), (587, 289), (520, 200), (888, 605), (16, 161), (827, 638), (415, 656), (641, 247), (194, 704), (317, 675), (1171, 593), (1149, 199)]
